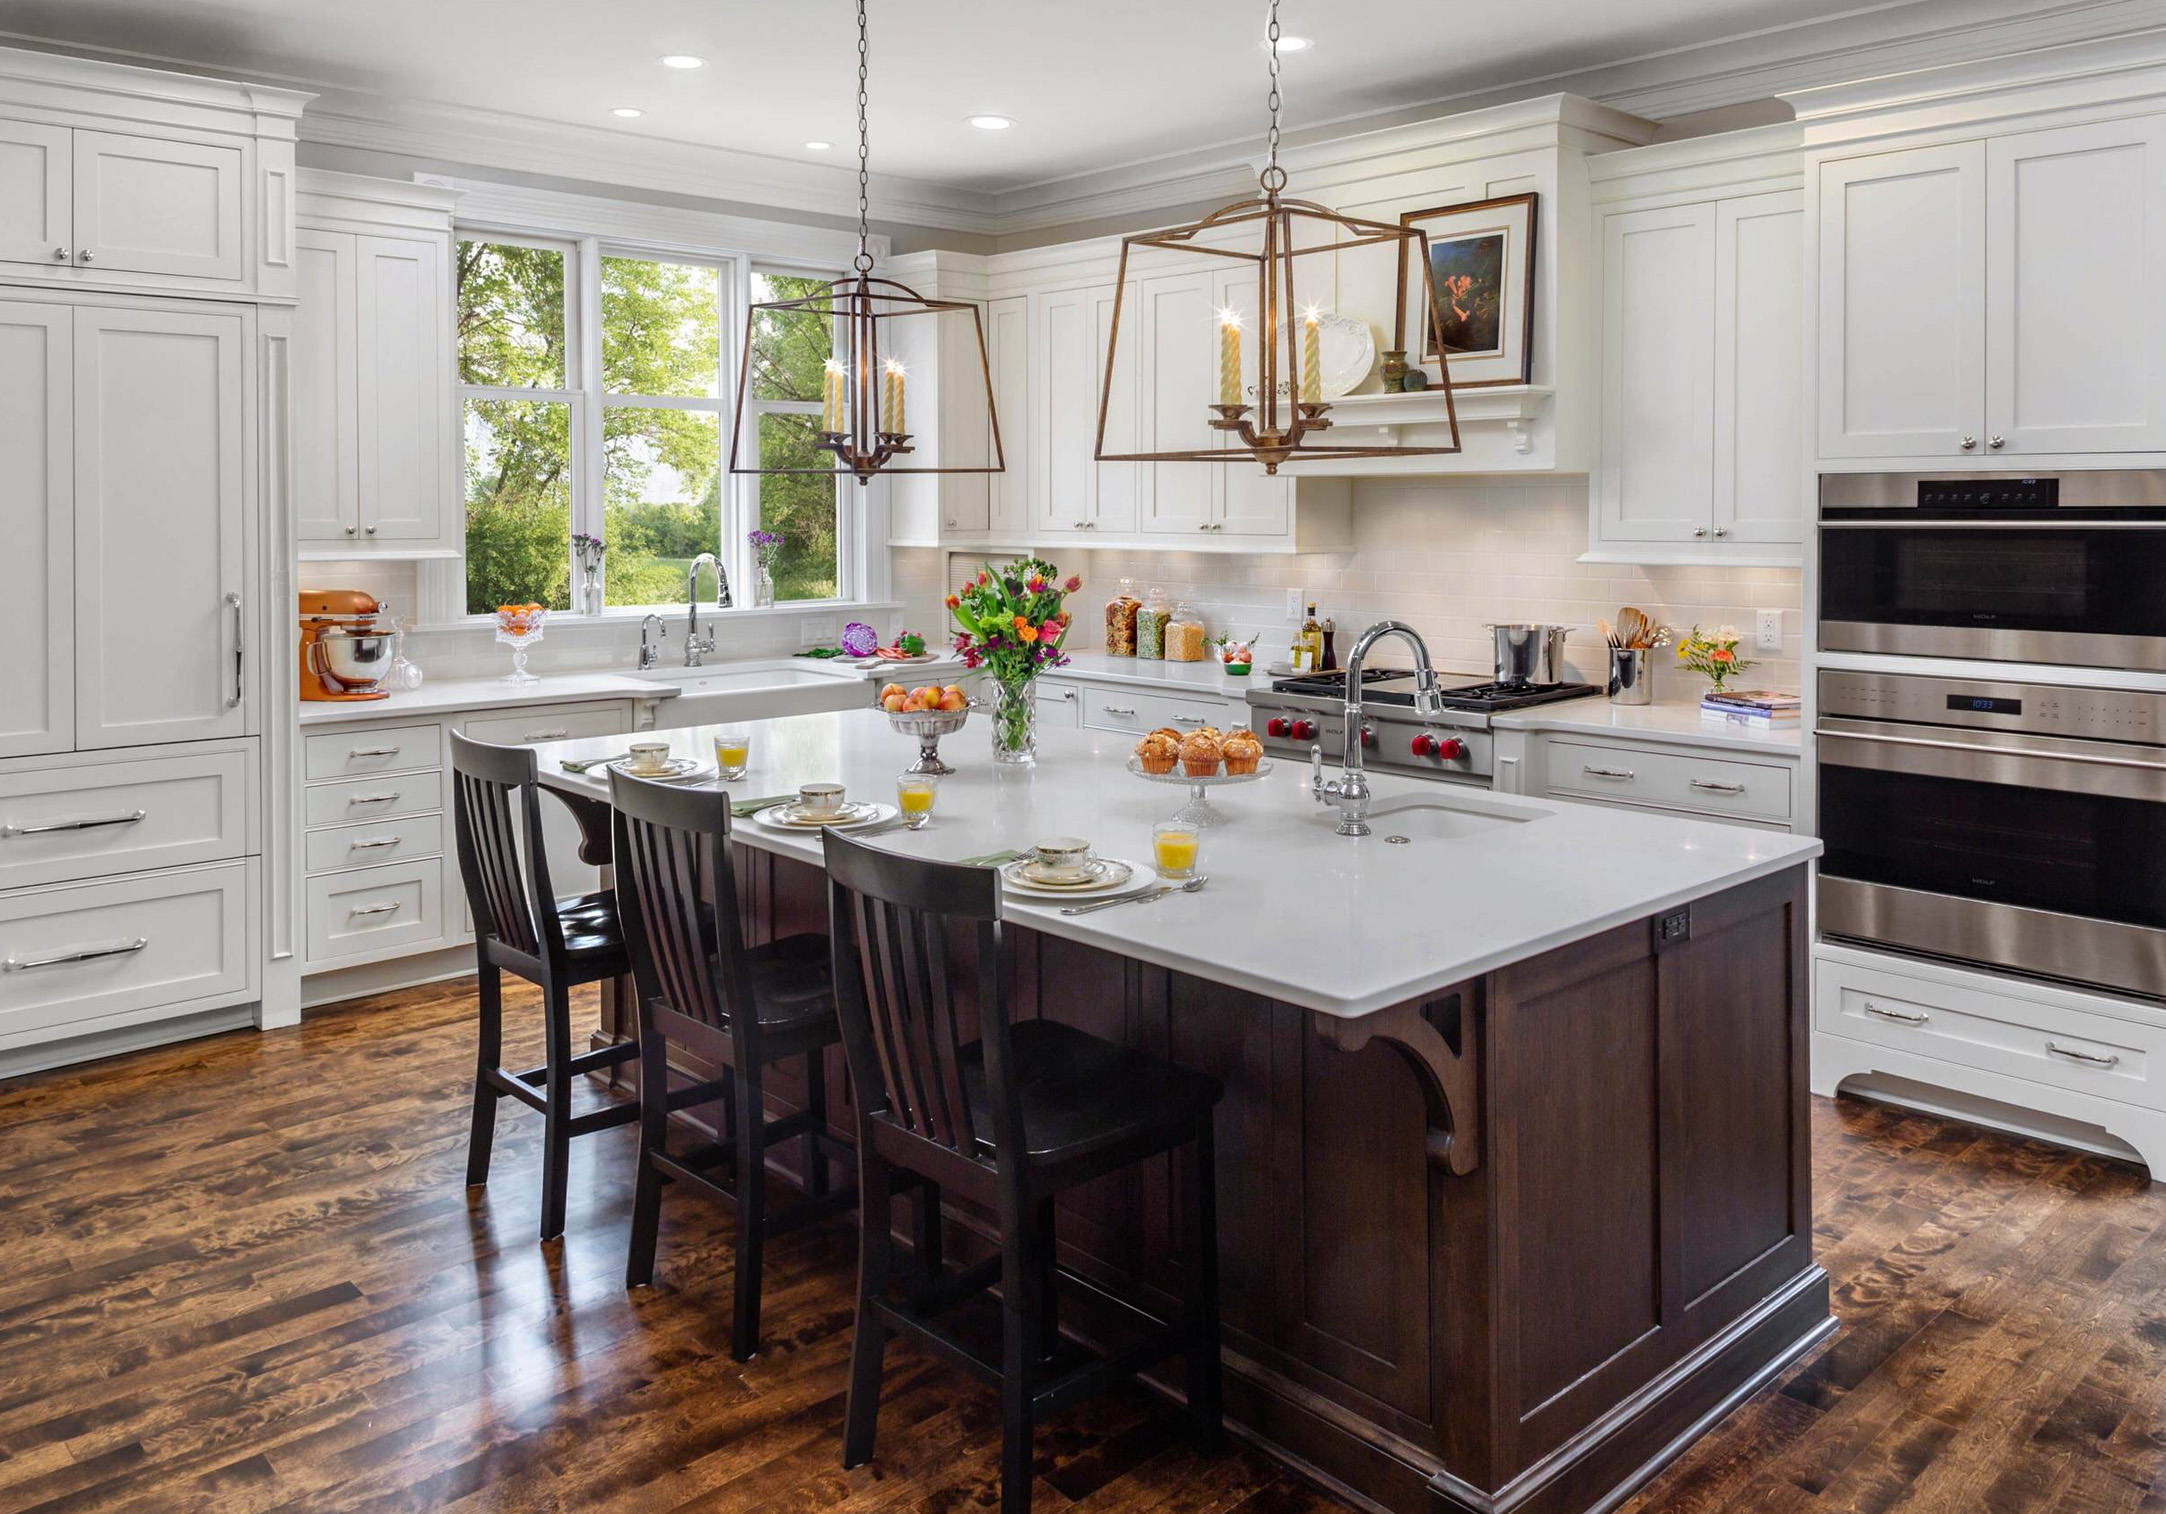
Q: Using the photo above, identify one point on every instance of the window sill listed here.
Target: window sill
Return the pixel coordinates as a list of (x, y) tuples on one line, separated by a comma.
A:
[(630, 616)]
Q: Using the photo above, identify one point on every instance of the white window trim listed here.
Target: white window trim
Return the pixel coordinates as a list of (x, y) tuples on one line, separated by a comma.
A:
[(589, 228)]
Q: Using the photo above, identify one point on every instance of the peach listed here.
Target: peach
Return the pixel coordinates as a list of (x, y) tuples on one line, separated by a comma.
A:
[(894, 703), (954, 688), (952, 700), (892, 688)]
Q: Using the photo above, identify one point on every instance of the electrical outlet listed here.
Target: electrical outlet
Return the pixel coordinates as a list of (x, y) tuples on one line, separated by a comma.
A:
[(816, 632), (1768, 638), (1293, 604)]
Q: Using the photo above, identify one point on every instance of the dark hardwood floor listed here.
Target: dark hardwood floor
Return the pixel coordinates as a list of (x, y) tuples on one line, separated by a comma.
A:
[(242, 1275)]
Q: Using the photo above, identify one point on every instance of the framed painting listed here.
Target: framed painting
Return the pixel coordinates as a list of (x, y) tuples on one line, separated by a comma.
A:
[(1481, 266)]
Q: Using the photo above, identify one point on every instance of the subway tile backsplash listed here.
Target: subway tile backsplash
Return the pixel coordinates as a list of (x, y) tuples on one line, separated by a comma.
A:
[(1447, 557)]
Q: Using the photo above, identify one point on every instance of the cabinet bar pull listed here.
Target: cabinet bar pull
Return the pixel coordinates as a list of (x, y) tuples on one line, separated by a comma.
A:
[(1895, 1014), (87, 823), (2092, 1057), (1114, 709), (550, 735), (1609, 772), (233, 603), (370, 843), (375, 909), (374, 798), (1188, 720), (75, 954), (373, 751), (1718, 788)]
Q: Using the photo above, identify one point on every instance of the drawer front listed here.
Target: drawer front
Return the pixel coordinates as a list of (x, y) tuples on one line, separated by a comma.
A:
[(95, 819), (374, 844), (550, 723), (1129, 710), (356, 799), (375, 750), (1060, 705), (127, 948), (1710, 785), (2018, 1038), (379, 909)]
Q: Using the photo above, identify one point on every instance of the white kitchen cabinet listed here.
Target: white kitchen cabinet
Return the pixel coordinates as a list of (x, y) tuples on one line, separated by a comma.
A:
[(1902, 303), (37, 590), (1059, 704), (1656, 482), (375, 434), (1247, 501), (1700, 263), (36, 219), (1176, 332), (161, 543), (1078, 495), (1007, 353), (149, 205), (2075, 318)]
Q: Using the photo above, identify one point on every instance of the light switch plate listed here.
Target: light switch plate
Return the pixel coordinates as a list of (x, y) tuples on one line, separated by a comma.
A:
[(1293, 604), (1768, 638), (817, 631)]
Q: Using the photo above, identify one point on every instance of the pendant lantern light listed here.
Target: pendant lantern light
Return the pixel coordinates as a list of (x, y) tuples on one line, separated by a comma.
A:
[(863, 416), (1289, 418)]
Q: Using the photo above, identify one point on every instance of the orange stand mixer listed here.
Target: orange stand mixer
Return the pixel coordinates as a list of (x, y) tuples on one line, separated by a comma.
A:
[(346, 646)]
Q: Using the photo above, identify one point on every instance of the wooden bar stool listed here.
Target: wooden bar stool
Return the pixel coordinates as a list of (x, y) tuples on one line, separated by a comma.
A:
[(1028, 1110), (740, 1009), (521, 926)]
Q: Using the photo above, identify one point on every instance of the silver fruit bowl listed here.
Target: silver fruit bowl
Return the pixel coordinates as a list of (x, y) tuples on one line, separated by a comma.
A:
[(928, 726)]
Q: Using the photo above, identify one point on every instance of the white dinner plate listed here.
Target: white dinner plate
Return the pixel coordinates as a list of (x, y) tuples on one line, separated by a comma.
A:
[(1097, 873), (776, 817), (1139, 878), (679, 770)]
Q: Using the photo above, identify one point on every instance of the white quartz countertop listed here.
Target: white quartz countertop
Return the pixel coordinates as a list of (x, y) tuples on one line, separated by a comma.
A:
[(1206, 677), (1292, 910), (1676, 722), (442, 696)]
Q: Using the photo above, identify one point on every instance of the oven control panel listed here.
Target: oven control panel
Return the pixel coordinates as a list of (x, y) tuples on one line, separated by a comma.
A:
[(1989, 493), (2123, 715)]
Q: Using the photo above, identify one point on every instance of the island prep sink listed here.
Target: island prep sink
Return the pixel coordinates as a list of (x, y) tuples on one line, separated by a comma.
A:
[(755, 691), (1443, 819)]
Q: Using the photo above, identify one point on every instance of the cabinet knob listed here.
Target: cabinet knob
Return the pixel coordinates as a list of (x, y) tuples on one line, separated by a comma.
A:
[(60, 254), (1996, 442), (349, 530), (1722, 530), (85, 254), (951, 523), (1969, 442), (372, 530), (1699, 530)]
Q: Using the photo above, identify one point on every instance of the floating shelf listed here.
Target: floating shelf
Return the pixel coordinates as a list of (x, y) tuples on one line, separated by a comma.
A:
[(1512, 406)]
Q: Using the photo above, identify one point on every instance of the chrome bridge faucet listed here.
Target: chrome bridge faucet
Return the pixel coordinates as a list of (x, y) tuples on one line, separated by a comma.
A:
[(1350, 790), (695, 646)]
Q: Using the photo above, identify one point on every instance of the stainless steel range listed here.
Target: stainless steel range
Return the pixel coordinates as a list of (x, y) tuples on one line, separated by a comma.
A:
[(1296, 714)]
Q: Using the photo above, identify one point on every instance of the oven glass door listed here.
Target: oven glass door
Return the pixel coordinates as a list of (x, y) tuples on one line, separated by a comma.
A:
[(1932, 826), (2049, 580)]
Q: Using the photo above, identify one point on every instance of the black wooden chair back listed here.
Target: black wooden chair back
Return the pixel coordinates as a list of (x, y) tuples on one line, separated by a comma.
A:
[(496, 807), (677, 897), (895, 992)]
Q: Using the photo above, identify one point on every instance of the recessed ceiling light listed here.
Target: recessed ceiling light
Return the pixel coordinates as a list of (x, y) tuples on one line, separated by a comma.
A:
[(991, 123), (818, 146), (1293, 44), (683, 60), (628, 112)]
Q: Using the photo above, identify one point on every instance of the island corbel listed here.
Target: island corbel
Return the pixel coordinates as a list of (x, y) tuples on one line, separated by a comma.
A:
[(1445, 1069)]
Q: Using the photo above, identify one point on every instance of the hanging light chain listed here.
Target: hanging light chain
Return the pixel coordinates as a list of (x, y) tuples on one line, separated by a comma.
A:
[(1273, 177), (863, 262)]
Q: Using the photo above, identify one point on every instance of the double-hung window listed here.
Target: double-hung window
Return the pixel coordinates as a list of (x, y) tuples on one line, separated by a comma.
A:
[(597, 385)]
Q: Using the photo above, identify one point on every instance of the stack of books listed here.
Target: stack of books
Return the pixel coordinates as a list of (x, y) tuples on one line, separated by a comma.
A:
[(1757, 709)]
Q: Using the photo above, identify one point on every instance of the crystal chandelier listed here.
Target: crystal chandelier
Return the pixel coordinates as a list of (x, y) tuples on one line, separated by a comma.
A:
[(1290, 417), (863, 420)]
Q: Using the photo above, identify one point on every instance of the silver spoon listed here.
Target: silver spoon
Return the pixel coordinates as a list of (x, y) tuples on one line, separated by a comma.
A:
[(1144, 898)]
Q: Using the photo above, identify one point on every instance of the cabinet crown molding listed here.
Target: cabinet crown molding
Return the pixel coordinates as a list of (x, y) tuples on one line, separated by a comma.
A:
[(139, 92)]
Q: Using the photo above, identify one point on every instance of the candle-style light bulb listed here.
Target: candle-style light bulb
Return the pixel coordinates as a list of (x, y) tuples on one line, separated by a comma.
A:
[(832, 396), (1312, 376), (1229, 357), (892, 421)]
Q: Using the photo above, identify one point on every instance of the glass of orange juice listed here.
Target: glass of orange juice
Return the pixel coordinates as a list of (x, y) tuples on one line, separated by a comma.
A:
[(732, 753), (1176, 850), (914, 797)]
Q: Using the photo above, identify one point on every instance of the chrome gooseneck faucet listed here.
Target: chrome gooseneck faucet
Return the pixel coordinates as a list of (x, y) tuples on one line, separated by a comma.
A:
[(1350, 790), (695, 646)]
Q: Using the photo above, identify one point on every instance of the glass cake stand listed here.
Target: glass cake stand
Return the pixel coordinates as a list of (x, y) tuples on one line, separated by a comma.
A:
[(1199, 810)]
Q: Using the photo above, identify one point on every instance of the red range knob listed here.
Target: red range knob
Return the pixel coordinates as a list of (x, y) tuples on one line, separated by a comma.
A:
[(1276, 726), (1450, 749), (1368, 737), (1424, 745), (1304, 731)]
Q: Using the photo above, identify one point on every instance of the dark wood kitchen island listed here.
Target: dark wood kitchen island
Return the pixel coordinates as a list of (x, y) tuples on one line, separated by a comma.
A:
[(1508, 1240)]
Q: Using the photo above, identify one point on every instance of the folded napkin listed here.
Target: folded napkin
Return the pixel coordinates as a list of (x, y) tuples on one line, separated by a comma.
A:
[(582, 764), (745, 808), (990, 859)]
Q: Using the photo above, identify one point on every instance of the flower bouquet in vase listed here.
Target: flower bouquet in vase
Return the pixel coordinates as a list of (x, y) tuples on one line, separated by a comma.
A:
[(766, 551), (1712, 654), (1012, 625)]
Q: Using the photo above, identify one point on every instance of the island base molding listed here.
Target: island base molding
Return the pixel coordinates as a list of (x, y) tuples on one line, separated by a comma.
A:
[(1628, 1258)]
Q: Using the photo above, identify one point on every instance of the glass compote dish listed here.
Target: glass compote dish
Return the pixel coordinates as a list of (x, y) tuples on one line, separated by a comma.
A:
[(519, 627)]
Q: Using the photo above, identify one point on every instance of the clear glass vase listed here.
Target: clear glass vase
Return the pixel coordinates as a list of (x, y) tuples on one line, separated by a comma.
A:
[(1015, 723), (763, 588)]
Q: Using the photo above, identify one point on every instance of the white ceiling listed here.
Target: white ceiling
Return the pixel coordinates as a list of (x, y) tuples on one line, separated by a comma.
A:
[(1091, 84)]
